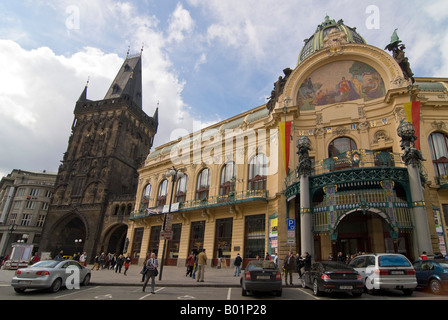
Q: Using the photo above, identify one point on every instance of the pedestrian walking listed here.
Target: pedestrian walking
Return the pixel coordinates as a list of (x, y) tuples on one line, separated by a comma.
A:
[(119, 264), (237, 263), (83, 259), (190, 264), (96, 262), (202, 261), (195, 269), (151, 272), (289, 264), (127, 263), (143, 272)]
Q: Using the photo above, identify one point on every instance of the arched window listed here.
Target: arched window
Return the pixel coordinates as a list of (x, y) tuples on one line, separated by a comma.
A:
[(340, 145), (181, 189), (258, 170), (228, 175), (161, 196), (438, 145), (146, 196), (203, 184)]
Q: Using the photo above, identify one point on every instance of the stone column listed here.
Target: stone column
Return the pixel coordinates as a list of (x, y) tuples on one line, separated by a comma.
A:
[(306, 218), (412, 157)]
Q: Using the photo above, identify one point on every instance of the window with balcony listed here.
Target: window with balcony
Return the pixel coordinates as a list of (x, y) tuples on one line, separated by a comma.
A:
[(258, 170), (203, 184), (337, 147), (228, 175), (146, 196), (181, 189), (161, 196), (438, 145)]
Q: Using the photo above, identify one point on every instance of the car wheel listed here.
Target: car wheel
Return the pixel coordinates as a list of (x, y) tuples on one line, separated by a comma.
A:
[(243, 292), (303, 283), (356, 294), (316, 290), (19, 290), (86, 280), (435, 286), (56, 285), (279, 293)]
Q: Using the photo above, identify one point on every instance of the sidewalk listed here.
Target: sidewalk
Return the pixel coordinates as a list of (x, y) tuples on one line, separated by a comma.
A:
[(171, 277)]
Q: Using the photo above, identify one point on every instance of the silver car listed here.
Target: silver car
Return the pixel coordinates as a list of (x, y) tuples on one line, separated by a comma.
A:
[(385, 271), (52, 275)]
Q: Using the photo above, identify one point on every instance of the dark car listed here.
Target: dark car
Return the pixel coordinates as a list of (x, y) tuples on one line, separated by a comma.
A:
[(261, 276), (333, 276), (432, 274)]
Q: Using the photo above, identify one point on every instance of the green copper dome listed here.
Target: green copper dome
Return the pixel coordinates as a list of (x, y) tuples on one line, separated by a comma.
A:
[(329, 33)]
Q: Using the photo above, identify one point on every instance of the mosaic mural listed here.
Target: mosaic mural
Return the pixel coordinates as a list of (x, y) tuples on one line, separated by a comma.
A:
[(339, 82)]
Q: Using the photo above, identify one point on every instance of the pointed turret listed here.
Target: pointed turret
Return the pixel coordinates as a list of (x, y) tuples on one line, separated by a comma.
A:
[(128, 81), (83, 96)]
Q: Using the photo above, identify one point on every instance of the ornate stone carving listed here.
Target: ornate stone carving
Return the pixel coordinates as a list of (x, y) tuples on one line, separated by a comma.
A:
[(303, 148), (411, 156)]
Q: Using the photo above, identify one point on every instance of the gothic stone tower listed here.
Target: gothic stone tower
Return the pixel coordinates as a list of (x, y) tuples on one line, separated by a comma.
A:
[(97, 180)]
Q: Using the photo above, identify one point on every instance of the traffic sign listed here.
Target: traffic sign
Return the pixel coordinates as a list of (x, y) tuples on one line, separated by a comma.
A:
[(291, 223)]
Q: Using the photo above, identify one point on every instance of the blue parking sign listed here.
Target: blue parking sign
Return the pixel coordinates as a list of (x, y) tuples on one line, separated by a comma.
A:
[(291, 224)]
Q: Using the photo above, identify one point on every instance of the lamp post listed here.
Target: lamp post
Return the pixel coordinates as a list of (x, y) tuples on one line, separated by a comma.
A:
[(174, 174), (76, 244)]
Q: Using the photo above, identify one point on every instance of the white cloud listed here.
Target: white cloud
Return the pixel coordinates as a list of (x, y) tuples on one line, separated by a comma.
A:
[(180, 24)]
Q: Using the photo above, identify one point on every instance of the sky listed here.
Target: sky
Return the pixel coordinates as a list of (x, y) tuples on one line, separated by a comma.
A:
[(203, 60)]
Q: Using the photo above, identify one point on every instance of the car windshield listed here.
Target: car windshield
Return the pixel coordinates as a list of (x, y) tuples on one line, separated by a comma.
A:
[(335, 265), (393, 261), (444, 265), (46, 264), (261, 264)]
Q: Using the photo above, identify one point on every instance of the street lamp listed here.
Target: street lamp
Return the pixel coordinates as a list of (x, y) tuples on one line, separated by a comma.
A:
[(76, 244), (174, 174)]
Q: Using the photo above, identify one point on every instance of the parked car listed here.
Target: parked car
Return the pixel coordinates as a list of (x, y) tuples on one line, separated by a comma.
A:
[(49, 274), (333, 276), (432, 274), (385, 271), (261, 276)]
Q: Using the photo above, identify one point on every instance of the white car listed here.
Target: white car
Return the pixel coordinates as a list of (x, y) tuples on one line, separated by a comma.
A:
[(385, 271)]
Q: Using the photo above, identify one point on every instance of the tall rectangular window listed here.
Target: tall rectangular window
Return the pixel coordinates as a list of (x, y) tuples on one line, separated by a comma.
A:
[(255, 236), (154, 239), (173, 245), (223, 239), (197, 236), (137, 242)]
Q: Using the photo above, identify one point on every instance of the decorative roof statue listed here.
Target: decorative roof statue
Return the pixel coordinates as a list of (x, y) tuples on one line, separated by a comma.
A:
[(397, 48), (278, 89)]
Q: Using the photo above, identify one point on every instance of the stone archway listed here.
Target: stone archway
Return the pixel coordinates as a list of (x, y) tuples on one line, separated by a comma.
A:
[(364, 231), (115, 238), (70, 237)]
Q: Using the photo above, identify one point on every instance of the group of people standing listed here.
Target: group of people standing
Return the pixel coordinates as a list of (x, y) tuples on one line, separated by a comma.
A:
[(112, 262), (196, 262), (293, 263)]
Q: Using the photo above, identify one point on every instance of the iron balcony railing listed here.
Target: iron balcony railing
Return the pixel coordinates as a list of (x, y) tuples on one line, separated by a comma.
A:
[(355, 159), (214, 201)]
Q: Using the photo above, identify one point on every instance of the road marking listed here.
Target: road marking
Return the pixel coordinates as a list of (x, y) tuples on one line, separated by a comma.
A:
[(150, 294), (229, 292), (76, 292), (311, 295)]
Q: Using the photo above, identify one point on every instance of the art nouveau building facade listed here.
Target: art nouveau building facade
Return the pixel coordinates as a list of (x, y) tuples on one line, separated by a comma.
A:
[(242, 178)]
